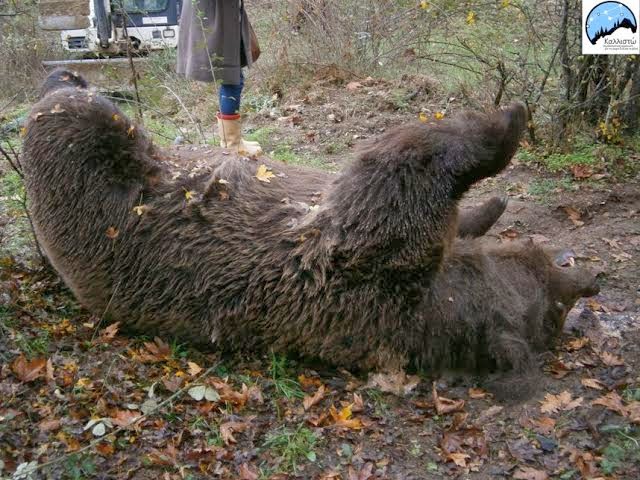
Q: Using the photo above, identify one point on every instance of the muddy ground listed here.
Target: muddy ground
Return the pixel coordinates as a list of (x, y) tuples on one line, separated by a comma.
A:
[(80, 400)]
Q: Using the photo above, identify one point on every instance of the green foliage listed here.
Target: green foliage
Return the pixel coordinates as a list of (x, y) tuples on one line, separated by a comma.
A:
[(623, 449), (33, 346), (211, 431), (526, 157), (262, 136), (541, 188), (582, 155), (377, 397), (13, 193), (16, 237), (612, 458), (284, 385), (179, 350), (292, 447), (80, 467), (630, 394)]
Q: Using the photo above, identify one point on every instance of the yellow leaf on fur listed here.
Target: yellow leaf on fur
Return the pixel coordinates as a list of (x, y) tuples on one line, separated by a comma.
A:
[(471, 18), (264, 174)]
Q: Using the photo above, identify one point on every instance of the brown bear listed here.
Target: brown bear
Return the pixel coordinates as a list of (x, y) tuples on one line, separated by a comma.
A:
[(371, 277)]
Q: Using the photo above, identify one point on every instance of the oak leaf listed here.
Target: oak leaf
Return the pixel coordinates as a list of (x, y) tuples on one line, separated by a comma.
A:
[(556, 403)]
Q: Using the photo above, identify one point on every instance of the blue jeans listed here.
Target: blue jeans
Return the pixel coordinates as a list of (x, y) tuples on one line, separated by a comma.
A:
[(230, 97)]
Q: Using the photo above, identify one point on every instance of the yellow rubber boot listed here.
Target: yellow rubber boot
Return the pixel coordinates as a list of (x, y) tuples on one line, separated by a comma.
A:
[(230, 132)]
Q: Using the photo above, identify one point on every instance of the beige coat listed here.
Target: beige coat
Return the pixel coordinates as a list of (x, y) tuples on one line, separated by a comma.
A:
[(214, 41)]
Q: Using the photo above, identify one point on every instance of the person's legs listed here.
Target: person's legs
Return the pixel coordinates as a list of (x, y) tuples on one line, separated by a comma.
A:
[(230, 97), (229, 124)]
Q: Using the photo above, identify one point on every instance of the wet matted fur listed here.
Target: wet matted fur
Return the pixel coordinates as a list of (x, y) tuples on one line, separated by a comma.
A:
[(373, 277)]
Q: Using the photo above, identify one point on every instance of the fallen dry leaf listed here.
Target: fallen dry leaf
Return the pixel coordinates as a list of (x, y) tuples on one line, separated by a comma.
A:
[(445, 405), (592, 383), (585, 461), (577, 344), (229, 428), (310, 401), (308, 382), (173, 384), (633, 409), (71, 443), (28, 370), (49, 425), (543, 425), (248, 473), (574, 215), (194, 368), (330, 475), (581, 172), (124, 418), (460, 459), (358, 403), (105, 449), (156, 351), (558, 369), (611, 360), (343, 418), (109, 332), (527, 473), (364, 474), (556, 403), (477, 393), (398, 383), (612, 401), (50, 372)]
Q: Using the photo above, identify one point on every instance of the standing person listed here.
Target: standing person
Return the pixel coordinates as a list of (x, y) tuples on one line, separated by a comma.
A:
[(214, 44)]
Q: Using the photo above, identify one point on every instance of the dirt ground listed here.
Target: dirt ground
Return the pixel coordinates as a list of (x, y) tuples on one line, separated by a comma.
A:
[(96, 404)]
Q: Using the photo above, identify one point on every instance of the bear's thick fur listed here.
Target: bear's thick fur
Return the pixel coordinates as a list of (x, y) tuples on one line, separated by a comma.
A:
[(372, 277)]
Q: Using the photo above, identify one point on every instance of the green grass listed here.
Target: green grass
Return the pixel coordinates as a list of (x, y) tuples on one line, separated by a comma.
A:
[(261, 135), (377, 397), (284, 385), (547, 186), (16, 237), (33, 346), (583, 155), (283, 151), (292, 447)]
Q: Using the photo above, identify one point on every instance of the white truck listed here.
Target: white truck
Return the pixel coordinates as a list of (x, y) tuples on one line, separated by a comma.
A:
[(96, 27)]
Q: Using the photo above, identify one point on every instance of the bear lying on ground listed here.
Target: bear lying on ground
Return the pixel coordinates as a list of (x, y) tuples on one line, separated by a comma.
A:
[(373, 277)]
